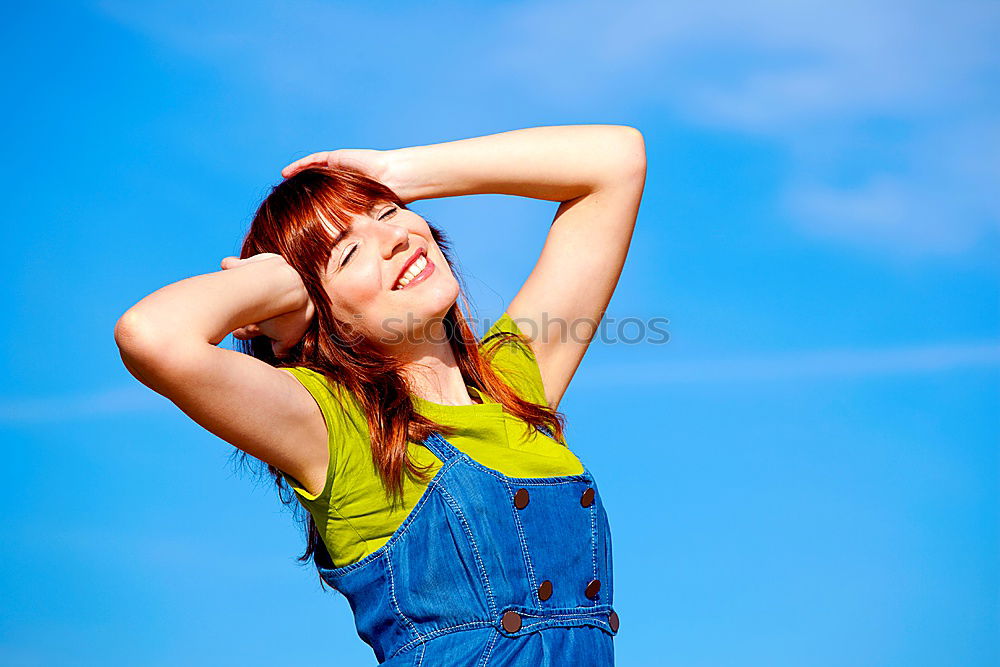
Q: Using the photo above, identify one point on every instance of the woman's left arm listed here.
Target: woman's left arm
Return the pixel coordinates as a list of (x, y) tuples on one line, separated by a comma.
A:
[(597, 172)]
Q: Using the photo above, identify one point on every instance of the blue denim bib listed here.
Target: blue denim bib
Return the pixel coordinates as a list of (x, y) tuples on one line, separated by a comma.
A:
[(489, 570)]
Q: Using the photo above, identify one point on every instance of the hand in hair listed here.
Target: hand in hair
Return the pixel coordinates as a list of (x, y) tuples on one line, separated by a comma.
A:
[(284, 331), (372, 163)]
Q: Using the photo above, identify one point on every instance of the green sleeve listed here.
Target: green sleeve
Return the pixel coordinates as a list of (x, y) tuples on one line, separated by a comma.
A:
[(333, 407), (516, 363)]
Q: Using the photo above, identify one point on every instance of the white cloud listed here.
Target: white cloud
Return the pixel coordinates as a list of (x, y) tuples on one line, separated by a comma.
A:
[(901, 94), (901, 86)]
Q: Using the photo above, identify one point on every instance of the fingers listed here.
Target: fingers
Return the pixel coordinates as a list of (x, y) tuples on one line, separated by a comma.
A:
[(247, 332), (302, 163), (260, 257), (231, 262)]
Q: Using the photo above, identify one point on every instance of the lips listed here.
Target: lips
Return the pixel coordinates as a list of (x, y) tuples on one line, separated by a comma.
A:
[(414, 257)]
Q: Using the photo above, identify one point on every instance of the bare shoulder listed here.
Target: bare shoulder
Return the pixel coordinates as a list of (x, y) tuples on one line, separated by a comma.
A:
[(262, 410)]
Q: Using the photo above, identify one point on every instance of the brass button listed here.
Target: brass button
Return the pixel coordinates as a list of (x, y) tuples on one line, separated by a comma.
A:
[(587, 499), (521, 499), (511, 621), (545, 590), (613, 621), (592, 589)]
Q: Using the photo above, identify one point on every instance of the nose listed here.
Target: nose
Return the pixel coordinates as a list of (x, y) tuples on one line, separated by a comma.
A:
[(394, 238)]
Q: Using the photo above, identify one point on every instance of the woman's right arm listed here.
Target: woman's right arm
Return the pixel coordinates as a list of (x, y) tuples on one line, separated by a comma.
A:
[(169, 342)]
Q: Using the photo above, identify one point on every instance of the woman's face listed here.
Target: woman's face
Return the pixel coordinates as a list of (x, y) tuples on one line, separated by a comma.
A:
[(365, 265)]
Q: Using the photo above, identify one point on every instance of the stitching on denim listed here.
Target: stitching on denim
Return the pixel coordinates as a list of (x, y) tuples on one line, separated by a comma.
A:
[(530, 627), (423, 651), (403, 528), (434, 634), (559, 617), (395, 602), (597, 617), (524, 543), (527, 481), (440, 447), (566, 616), (593, 535), (488, 653), (595, 613), (594, 616), (448, 498), (585, 476)]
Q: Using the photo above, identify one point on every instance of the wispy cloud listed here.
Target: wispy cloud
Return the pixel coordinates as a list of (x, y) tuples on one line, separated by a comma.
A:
[(812, 364), (900, 94), (886, 110)]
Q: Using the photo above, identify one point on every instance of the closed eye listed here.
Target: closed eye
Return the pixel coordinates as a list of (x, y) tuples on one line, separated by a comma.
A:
[(350, 252), (347, 257)]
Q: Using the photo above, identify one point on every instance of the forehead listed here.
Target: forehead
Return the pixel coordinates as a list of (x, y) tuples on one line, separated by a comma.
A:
[(337, 228)]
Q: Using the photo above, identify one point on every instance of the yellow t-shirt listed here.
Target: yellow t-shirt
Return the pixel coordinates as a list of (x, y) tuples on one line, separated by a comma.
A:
[(352, 512)]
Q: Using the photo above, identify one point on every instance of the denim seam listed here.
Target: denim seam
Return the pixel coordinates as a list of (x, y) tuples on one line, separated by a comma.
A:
[(554, 616), (440, 447), (594, 617), (440, 632), (395, 602), (542, 623), (593, 541), (524, 544), (450, 500), (528, 481), (584, 476), (403, 528), (488, 652)]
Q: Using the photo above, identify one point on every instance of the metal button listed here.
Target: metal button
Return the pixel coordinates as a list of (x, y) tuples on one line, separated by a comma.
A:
[(587, 499), (592, 589), (613, 621), (545, 590), (511, 621), (521, 499)]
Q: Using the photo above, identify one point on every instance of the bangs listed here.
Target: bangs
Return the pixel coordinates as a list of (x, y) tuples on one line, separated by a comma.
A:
[(306, 215)]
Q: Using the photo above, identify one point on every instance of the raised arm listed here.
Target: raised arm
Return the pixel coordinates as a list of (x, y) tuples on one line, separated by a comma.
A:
[(169, 340), (596, 172)]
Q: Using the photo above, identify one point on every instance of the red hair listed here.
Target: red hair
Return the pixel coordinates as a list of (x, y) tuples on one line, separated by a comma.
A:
[(290, 222)]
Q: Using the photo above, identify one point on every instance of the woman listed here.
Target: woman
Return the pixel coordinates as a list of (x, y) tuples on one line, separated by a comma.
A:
[(443, 501)]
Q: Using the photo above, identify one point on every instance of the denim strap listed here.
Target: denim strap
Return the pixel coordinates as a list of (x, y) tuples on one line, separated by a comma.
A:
[(444, 450), (440, 447)]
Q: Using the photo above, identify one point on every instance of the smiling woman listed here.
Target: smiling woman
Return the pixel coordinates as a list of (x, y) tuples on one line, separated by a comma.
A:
[(358, 307), (442, 498)]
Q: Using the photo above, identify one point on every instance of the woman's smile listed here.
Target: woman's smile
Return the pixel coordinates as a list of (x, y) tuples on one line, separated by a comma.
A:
[(424, 268)]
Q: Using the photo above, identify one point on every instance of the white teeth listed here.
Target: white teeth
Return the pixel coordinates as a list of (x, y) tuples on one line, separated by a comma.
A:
[(412, 272)]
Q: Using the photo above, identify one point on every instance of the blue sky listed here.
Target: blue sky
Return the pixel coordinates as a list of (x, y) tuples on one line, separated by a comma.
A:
[(805, 474)]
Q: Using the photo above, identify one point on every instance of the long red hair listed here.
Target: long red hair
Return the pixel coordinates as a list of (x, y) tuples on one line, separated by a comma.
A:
[(290, 222)]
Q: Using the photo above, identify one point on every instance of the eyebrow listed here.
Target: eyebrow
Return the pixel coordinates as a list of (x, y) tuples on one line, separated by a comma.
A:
[(340, 235)]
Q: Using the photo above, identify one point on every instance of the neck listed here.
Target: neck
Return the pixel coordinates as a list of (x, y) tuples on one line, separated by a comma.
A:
[(433, 374), (438, 381)]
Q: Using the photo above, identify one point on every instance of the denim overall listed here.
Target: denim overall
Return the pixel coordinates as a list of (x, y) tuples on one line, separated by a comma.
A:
[(489, 570)]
